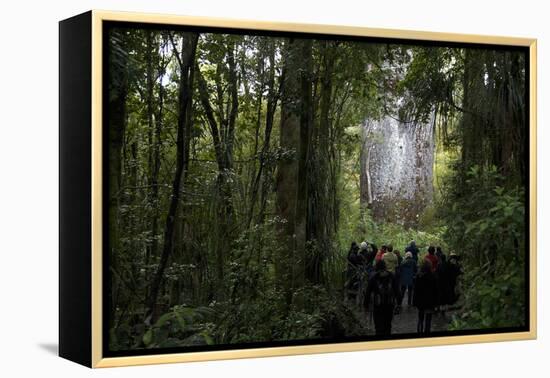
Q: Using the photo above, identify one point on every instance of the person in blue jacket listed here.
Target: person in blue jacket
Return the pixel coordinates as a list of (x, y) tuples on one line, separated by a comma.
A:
[(413, 249), (407, 273)]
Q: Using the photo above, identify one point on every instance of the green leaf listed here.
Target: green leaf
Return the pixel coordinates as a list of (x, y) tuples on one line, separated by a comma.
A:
[(483, 226), (148, 337), (181, 321), (163, 319), (207, 338)]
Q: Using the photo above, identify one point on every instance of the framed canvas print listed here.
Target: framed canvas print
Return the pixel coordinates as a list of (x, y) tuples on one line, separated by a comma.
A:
[(235, 189)]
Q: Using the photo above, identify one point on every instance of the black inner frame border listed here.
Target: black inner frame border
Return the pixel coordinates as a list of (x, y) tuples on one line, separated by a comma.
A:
[(108, 25)]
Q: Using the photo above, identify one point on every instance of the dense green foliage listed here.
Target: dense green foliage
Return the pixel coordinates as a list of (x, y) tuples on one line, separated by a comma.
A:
[(234, 189), (493, 248), (479, 98)]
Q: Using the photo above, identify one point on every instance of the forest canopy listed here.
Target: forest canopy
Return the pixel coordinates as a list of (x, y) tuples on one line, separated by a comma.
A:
[(242, 166)]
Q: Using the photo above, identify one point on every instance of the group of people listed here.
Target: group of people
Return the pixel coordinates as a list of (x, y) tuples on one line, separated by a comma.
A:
[(378, 279)]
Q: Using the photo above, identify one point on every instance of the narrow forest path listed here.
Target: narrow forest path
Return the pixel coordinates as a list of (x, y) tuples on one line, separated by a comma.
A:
[(405, 321)]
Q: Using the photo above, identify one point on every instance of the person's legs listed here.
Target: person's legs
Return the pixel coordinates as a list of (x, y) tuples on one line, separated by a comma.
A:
[(397, 282), (409, 294), (378, 316), (428, 326), (388, 319), (353, 289), (420, 323), (403, 288)]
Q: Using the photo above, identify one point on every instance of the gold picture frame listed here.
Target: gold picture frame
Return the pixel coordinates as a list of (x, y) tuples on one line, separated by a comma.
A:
[(96, 19)]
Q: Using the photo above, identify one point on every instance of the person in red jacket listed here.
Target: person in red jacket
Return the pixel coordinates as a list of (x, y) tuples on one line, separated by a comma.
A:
[(380, 253), (432, 258)]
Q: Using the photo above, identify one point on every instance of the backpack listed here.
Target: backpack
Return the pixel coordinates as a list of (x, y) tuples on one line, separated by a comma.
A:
[(383, 291)]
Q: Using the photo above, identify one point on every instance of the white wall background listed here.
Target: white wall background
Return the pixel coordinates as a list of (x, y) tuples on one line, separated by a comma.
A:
[(29, 185)]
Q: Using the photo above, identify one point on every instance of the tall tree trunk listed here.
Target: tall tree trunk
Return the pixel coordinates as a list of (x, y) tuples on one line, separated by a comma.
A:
[(319, 212), (287, 167), (272, 99), (156, 160), (187, 64), (118, 91), (222, 124), (150, 128), (365, 182), (291, 182), (473, 124)]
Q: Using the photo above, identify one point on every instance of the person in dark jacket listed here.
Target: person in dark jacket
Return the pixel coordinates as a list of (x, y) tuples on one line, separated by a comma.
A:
[(399, 258), (351, 272), (439, 254), (413, 249), (397, 274), (453, 271), (425, 296), (443, 282), (369, 260), (352, 253), (407, 272), (384, 293)]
